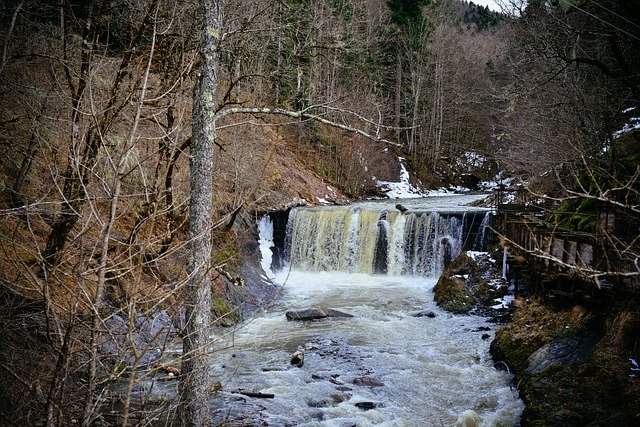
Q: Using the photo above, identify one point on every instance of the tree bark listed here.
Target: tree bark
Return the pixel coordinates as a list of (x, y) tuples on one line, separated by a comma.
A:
[(195, 388)]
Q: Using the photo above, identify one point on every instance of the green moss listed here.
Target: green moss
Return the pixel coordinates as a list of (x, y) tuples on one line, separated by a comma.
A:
[(226, 252), (223, 314), (486, 293), (451, 294)]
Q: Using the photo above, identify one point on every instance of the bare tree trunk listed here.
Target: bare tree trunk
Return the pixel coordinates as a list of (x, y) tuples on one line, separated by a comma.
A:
[(16, 11), (437, 111), (195, 388), (398, 95)]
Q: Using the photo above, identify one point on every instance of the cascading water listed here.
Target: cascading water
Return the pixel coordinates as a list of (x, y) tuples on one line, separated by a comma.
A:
[(371, 239), (481, 238), (385, 365)]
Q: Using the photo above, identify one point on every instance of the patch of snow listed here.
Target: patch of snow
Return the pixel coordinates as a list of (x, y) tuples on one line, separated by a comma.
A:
[(402, 189), (634, 367), (474, 255), (499, 179), (471, 159), (628, 110), (509, 198), (632, 124), (503, 302), (441, 192)]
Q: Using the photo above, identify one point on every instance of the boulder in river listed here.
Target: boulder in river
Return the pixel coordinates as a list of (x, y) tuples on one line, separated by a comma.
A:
[(314, 313), (470, 284)]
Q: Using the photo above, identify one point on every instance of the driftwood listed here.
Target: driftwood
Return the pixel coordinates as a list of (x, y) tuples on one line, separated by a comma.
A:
[(255, 394)]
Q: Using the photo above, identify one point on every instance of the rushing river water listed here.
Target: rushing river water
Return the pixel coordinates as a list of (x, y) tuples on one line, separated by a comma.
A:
[(383, 366), (432, 369)]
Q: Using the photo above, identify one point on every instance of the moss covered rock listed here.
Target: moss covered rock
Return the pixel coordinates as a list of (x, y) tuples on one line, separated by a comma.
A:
[(571, 365), (470, 284), (452, 294)]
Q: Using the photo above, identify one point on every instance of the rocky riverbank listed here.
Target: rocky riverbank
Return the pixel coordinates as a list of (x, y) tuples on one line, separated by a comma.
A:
[(574, 362), (573, 365)]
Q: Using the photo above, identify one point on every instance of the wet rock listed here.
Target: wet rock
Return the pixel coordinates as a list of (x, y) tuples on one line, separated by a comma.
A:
[(401, 208), (367, 405), (562, 351), (486, 336), (169, 370), (340, 397), (452, 294), (314, 313), (311, 346), (368, 381), (326, 403), (334, 379), (470, 285), (150, 331), (425, 313), (343, 388), (568, 365), (297, 359), (255, 394), (231, 409)]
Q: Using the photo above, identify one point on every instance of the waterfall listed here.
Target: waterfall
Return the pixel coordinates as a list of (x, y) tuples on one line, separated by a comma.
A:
[(481, 237), (358, 239)]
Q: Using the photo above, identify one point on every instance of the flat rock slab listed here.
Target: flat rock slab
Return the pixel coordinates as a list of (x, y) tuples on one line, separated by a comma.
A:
[(314, 313)]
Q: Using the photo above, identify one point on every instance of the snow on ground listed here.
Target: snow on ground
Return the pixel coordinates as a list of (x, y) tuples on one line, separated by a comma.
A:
[(503, 302), (632, 124), (403, 189)]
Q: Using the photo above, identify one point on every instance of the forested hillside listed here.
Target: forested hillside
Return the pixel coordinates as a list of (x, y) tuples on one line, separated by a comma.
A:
[(315, 102)]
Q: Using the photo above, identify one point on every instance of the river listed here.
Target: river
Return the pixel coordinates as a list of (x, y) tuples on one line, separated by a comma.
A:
[(383, 366)]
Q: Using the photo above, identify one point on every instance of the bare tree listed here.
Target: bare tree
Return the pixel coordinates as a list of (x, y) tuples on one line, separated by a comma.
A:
[(571, 91)]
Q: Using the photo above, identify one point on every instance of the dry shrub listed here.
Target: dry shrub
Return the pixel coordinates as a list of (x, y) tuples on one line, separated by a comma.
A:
[(624, 332), (577, 316)]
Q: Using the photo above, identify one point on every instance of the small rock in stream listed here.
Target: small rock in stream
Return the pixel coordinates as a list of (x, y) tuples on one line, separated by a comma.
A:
[(311, 346), (367, 405), (427, 313), (340, 397), (368, 381), (297, 359), (273, 368)]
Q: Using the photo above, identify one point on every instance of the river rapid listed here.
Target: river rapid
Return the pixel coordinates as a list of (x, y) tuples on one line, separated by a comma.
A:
[(427, 371), (386, 365)]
